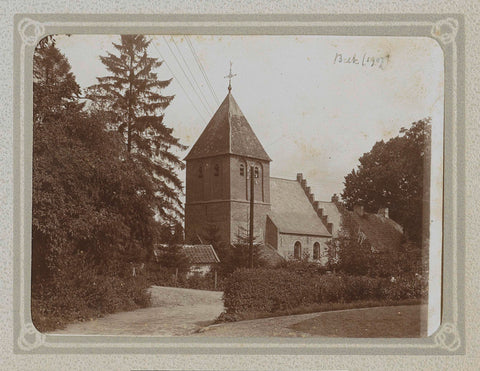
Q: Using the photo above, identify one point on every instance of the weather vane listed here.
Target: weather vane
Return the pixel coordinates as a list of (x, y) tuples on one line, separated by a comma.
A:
[(229, 77)]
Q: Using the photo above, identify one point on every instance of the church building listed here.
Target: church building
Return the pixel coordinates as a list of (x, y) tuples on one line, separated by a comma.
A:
[(287, 219)]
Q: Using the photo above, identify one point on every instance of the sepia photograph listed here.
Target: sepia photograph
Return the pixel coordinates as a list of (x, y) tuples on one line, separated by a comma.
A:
[(237, 185)]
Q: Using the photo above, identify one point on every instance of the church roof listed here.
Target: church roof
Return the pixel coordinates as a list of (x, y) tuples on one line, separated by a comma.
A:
[(228, 132), (292, 211), (334, 215)]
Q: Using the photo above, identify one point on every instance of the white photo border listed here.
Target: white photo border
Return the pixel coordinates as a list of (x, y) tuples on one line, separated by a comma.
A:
[(447, 30)]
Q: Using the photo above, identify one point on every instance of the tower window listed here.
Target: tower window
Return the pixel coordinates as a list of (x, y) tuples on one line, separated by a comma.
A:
[(200, 171), (256, 172), (216, 170), (242, 169)]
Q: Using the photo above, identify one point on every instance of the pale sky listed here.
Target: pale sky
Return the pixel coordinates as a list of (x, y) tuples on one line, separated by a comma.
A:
[(311, 113)]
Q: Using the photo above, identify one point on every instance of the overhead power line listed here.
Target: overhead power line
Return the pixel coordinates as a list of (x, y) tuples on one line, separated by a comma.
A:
[(191, 74), (199, 63), (179, 83), (184, 73)]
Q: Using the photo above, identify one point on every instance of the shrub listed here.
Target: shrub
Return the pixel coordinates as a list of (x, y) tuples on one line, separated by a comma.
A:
[(79, 292), (275, 290), (406, 287)]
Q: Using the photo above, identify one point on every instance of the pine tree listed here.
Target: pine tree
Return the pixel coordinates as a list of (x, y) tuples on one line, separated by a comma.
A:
[(132, 96), (54, 87)]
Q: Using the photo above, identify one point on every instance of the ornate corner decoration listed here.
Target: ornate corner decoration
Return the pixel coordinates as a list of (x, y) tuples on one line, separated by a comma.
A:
[(448, 337), (29, 338), (30, 31), (445, 30)]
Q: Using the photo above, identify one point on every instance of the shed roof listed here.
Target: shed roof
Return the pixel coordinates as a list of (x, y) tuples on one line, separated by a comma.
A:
[(196, 254), (292, 211), (228, 132)]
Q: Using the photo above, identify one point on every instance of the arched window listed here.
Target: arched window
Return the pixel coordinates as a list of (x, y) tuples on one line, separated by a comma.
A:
[(200, 171), (256, 172), (242, 169), (297, 250), (316, 251), (216, 170)]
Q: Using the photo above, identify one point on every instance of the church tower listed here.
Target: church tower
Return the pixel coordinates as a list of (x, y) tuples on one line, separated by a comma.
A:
[(218, 178)]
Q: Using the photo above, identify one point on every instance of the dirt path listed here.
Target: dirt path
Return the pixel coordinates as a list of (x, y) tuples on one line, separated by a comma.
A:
[(174, 312)]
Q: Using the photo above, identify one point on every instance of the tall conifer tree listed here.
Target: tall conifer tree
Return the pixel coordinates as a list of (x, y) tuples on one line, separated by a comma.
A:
[(54, 87), (132, 94)]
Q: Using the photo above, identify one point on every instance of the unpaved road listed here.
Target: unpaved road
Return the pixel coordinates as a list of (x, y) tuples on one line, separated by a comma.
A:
[(174, 312)]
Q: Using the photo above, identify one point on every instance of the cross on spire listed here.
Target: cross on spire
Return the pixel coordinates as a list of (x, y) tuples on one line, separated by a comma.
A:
[(229, 77)]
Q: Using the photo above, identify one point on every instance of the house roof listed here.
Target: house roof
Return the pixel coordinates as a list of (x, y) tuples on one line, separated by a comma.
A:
[(228, 132), (292, 211), (201, 254), (382, 233)]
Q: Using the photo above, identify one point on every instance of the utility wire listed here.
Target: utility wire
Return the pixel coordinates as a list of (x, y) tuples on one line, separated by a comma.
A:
[(191, 74), (188, 79), (199, 63), (179, 83)]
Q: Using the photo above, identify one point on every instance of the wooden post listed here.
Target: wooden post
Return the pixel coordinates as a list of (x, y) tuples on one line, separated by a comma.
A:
[(176, 276), (252, 198), (215, 286)]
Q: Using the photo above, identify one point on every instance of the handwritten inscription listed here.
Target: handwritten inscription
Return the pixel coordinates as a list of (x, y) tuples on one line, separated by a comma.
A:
[(363, 60)]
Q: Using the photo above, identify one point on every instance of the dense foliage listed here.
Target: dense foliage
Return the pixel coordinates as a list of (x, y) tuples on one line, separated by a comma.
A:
[(277, 290), (234, 256), (395, 174), (132, 96), (93, 217)]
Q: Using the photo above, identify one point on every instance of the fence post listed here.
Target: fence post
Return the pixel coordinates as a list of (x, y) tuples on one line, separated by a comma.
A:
[(215, 280)]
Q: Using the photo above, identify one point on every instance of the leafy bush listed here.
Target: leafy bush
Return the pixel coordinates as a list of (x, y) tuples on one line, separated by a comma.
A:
[(79, 292), (274, 290), (406, 287)]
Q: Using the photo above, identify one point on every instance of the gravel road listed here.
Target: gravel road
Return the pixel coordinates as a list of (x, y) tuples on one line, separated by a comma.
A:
[(174, 312)]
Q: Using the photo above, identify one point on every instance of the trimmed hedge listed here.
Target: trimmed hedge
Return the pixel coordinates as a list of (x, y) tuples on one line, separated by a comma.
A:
[(272, 290)]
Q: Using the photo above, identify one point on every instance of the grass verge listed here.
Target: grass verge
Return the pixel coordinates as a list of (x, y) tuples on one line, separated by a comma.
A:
[(407, 321), (313, 308)]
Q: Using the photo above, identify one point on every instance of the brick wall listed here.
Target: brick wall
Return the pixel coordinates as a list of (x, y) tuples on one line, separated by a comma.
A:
[(223, 199)]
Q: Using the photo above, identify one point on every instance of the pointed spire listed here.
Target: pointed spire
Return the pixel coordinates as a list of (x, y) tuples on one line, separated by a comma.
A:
[(229, 77), (228, 132)]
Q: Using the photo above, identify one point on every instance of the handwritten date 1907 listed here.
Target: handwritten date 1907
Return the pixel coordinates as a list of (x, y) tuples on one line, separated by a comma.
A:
[(364, 60)]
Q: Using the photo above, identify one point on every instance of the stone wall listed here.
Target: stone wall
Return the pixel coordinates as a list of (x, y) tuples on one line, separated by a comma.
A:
[(287, 243)]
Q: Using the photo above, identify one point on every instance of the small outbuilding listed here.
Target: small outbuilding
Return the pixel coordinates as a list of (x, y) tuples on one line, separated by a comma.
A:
[(202, 258)]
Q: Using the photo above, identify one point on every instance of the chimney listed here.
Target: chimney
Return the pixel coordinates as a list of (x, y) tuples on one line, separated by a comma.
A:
[(357, 209), (299, 177), (383, 212)]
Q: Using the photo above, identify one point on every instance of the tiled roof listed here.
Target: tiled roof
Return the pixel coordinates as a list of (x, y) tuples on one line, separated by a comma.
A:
[(200, 254), (382, 233), (228, 132), (292, 211)]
